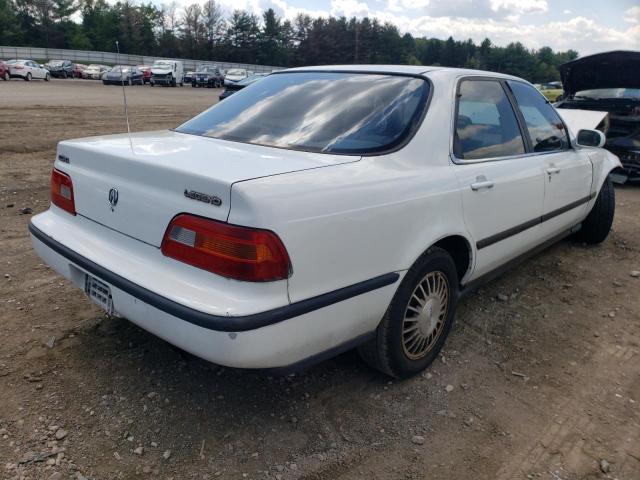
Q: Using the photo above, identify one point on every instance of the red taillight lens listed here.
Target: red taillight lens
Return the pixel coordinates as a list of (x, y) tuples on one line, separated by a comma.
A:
[(62, 191), (241, 253)]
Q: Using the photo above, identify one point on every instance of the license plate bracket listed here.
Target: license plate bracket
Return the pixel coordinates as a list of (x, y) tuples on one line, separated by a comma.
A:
[(100, 293)]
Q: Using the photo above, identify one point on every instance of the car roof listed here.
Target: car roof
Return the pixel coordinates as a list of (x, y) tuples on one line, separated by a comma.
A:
[(425, 70)]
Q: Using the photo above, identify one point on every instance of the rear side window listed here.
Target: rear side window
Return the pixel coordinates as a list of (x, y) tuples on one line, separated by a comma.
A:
[(332, 112), (486, 125), (545, 128)]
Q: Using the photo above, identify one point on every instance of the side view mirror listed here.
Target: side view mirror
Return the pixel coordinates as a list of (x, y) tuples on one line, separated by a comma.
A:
[(590, 138)]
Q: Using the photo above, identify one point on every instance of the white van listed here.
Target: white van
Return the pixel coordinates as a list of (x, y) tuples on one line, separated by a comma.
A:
[(167, 72)]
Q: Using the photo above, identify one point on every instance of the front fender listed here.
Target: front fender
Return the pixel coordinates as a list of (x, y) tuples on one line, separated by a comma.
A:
[(604, 162)]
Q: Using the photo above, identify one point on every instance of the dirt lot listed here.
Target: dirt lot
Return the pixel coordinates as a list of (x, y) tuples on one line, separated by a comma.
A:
[(545, 384)]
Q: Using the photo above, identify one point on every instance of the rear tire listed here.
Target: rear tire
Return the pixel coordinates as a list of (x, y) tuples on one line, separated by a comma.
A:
[(419, 318), (6, 76), (596, 227)]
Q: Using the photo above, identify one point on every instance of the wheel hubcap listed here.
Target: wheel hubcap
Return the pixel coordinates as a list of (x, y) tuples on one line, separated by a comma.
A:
[(425, 315)]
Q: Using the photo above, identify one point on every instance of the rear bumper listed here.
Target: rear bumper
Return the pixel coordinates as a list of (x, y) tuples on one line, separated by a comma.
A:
[(281, 337)]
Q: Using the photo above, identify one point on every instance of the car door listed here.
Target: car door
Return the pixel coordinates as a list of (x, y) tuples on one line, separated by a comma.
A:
[(502, 184), (28, 67), (568, 172), (36, 70)]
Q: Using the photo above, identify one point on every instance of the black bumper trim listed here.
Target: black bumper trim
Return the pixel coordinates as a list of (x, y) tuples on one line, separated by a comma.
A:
[(206, 320)]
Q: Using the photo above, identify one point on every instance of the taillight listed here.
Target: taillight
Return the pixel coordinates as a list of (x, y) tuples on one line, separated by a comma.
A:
[(62, 191), (242, 253)]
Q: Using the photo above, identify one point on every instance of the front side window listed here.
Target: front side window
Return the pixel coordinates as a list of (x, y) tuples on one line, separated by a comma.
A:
[(331, 112), (486, 126), (545, 128)]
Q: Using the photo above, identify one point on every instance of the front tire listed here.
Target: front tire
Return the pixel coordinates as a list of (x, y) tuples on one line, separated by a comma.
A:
[(596, 227), (419, 318), (28, 77), (47, 77)]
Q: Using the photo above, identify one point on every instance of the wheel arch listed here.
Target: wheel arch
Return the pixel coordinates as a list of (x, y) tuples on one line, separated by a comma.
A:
[(459, 247)]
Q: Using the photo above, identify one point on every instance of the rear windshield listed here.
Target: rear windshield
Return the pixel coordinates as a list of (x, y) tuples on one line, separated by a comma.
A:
[(343, 113)]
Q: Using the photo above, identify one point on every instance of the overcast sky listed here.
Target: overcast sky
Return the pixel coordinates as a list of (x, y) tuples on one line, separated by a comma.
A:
[(585, 25)]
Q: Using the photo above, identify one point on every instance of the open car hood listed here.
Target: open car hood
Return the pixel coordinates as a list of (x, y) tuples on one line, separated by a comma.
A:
[(616, 69)]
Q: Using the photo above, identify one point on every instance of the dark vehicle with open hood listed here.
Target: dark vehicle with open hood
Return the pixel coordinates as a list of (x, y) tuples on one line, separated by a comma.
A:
[(609, 82)]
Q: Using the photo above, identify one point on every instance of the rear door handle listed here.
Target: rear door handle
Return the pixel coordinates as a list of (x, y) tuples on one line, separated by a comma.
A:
[(475, 186), (553, 170)]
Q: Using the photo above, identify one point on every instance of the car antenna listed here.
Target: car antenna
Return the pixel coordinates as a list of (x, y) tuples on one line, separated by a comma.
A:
[(124, 96)]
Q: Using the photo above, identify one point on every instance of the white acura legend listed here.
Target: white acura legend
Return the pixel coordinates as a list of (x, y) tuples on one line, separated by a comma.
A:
[(323, 209)]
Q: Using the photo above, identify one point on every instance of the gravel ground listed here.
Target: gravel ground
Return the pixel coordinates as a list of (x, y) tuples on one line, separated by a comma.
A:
[(539, 379)]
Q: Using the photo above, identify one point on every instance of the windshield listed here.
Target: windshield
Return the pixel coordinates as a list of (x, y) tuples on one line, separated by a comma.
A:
[(117, 68), (349, 113), (55, 63), (236, 72), (606, 93), (163, 65)]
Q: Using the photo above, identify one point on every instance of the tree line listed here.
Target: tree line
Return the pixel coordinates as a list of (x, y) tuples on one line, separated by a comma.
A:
[(204, 31)]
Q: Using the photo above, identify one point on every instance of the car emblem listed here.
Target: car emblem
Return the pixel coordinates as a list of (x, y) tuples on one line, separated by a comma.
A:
[(113, 198)]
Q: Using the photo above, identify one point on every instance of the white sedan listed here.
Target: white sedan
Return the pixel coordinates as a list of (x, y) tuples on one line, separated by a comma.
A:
[(323, 209), (28, 70)]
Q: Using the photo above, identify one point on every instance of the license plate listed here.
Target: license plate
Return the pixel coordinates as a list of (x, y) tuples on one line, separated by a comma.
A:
[(99, 293)]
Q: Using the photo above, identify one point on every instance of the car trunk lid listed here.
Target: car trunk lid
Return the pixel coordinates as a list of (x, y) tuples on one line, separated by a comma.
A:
[(158, 175)]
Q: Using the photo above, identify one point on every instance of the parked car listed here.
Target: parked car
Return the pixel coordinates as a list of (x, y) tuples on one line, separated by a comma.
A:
[(28, 70), (95, 72), (609, 82), (235, 75), (123, 74), (4, 71), (552, 91), (332, 207), (188, 77), (232, 88), (146, 72), (60, 68), (167, 72), (208, 76), (78, 70)]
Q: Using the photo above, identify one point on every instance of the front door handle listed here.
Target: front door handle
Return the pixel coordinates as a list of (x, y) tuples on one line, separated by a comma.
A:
[(553, 170), (481, 183)]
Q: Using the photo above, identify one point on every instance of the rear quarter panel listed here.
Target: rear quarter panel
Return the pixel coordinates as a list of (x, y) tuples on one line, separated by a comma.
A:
[(348, 223)]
